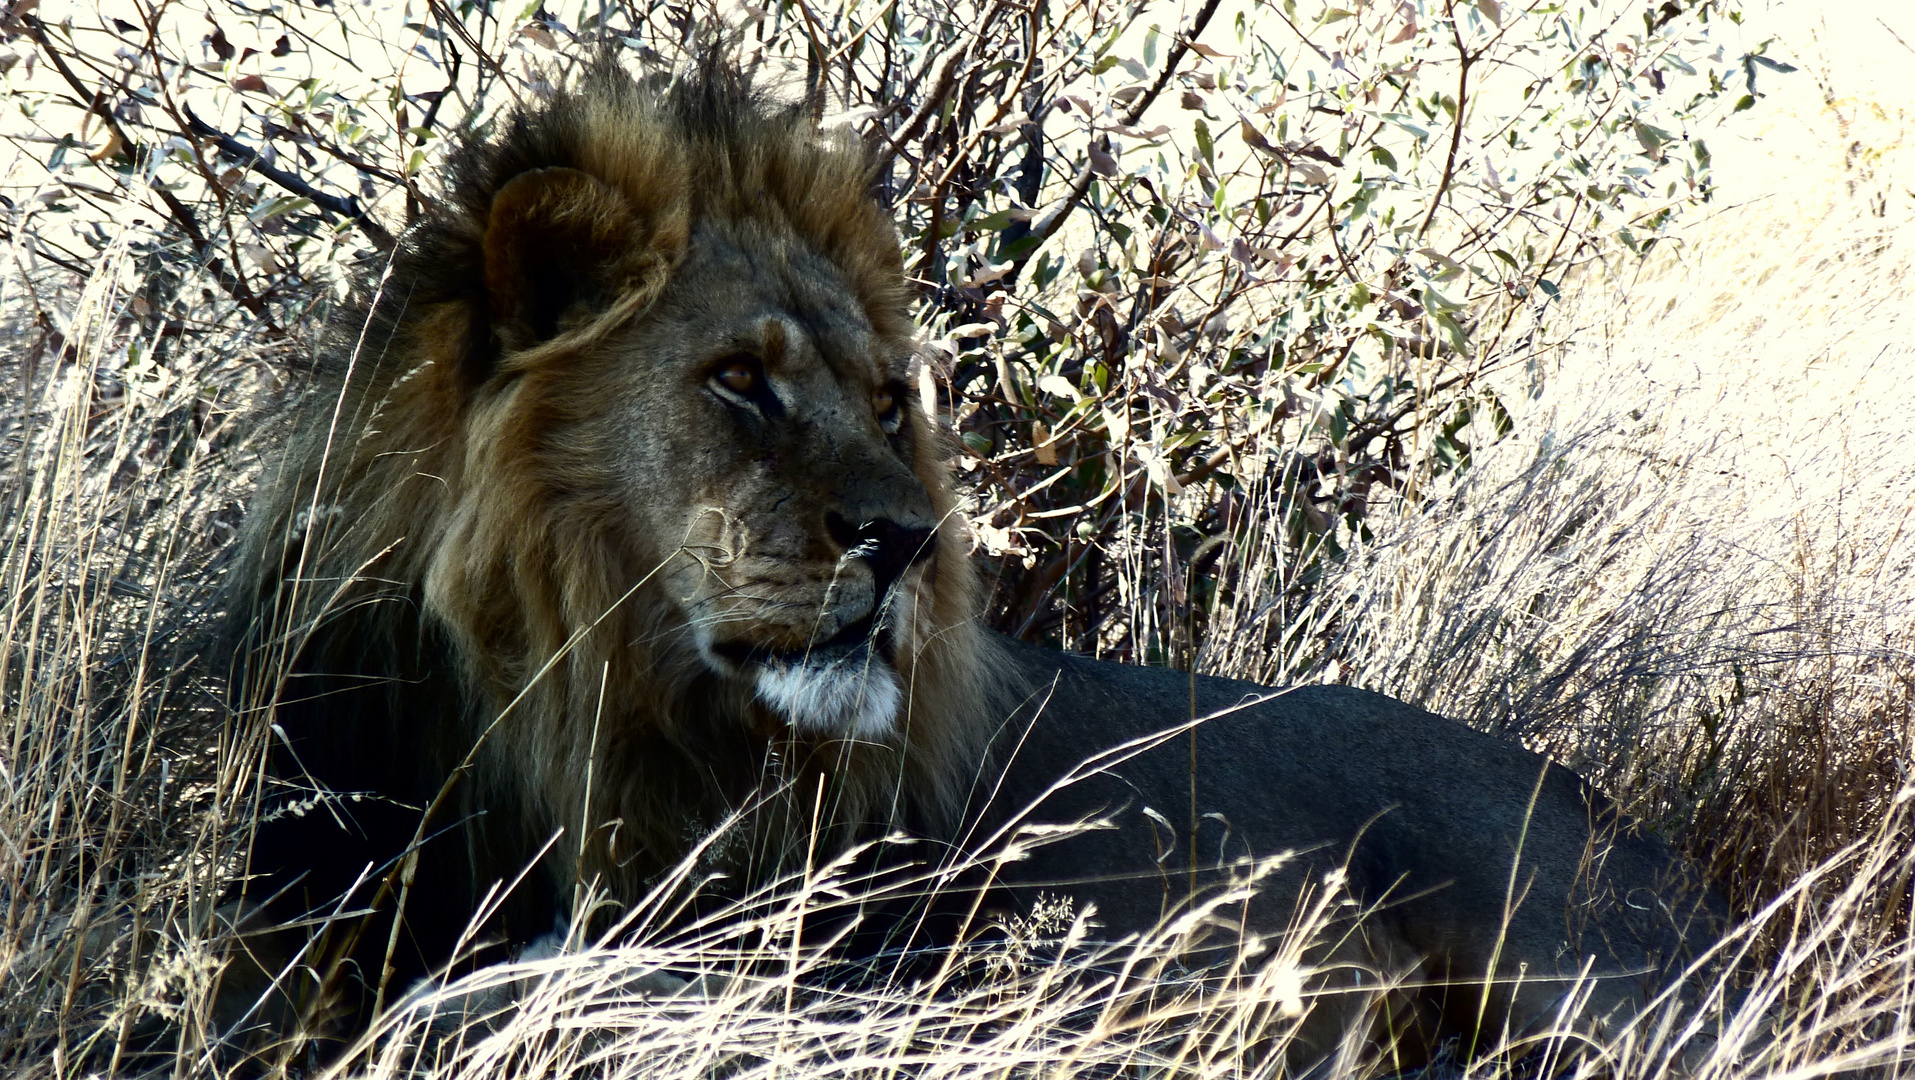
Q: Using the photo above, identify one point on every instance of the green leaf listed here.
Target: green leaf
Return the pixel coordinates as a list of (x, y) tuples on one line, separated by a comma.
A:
[(1383, 157), (1651, 137), (991, 222), (1204, 144), (1022, 247), (1409, 124)]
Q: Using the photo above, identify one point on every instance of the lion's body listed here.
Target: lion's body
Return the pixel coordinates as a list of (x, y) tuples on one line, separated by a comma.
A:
[(609, 521), (1465, 854)]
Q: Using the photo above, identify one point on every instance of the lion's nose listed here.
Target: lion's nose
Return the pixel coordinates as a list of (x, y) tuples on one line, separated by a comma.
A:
[(889, 547)]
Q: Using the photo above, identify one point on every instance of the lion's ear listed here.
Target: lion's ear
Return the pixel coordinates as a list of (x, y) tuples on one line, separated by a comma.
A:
[(560, 246)]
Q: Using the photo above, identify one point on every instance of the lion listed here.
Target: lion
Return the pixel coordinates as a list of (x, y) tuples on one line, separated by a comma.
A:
[(612, 524)]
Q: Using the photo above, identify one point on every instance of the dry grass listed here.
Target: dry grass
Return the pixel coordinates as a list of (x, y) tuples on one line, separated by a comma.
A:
[(118, 775), (1687, 574)]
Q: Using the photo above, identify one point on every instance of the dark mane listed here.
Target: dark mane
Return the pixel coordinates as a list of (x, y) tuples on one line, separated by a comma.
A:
[(721, 146), (419, 556)]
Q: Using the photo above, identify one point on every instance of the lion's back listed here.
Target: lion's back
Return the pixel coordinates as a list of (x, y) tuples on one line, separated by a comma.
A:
[(1439, 828)]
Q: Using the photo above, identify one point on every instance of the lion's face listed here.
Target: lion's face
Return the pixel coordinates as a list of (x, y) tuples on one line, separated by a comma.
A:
[(770, 451), (718, 402)]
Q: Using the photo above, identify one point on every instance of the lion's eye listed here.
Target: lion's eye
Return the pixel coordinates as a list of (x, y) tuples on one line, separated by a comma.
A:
[(885, 404), (741, 375)]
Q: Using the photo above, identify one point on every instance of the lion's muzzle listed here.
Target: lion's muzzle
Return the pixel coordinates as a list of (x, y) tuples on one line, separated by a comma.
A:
[(888, 547), (841, 679)]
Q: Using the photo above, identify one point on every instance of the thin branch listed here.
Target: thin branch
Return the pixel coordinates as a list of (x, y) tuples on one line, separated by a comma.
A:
[(1456, 132), (234, 285), (251, 158), (1081, 186)]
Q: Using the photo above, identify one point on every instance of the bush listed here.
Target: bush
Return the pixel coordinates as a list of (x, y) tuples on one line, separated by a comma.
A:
[(1170, 270)]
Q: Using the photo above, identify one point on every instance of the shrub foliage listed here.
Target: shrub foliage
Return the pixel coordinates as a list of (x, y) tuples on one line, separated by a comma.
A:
[(1175, 264)]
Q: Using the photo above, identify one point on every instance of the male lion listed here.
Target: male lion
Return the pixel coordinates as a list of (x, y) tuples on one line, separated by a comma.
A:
[(612, 521)]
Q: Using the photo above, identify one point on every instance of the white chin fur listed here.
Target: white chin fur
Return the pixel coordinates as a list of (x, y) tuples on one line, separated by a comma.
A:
[(856, 697)]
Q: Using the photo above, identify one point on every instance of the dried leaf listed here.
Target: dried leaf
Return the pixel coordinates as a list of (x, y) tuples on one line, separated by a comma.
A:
[(1248, 254), (221, 47), (114, 145), (928, 391), (1312, 150), (262, 256), (251, 82), (1160, 471), (1101, 161), (1059, 386), (989, 274), (1204, 50), (1191, 99), (1490, 10), (1309, 172), (1041, 445), (539, 34), (1011, 123)]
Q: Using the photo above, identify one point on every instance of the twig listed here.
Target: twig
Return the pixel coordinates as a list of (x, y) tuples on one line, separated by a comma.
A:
[(1081, 186), (250, 158), (445, 17), (942, 76), (8, 236), (1456, 132), (234, 285)]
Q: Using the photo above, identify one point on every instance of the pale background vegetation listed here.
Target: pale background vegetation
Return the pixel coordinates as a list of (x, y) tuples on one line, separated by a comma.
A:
[(1675, 552)]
